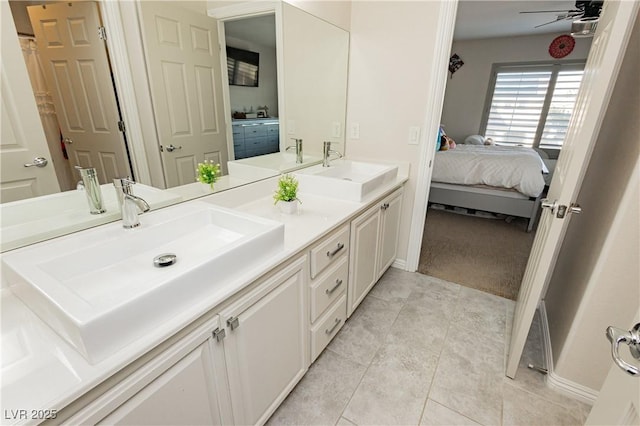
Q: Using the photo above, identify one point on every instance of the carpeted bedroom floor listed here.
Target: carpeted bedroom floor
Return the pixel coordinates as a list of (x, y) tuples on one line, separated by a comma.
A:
[(486, 254)]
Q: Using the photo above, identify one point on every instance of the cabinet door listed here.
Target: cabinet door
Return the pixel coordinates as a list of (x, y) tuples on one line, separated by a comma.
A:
[(266, 347), (391, 210), (364, 248), (186, 384)]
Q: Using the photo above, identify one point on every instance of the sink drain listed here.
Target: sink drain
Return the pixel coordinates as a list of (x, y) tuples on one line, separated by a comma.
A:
[(165, 259)]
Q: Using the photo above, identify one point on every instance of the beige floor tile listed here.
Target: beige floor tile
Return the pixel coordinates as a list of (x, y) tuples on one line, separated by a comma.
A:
[(524, 408), (344, 422), (394, 388), (395, 285), (322, 394), (482, 314), (438, 415), (364, 332), (469, 377)]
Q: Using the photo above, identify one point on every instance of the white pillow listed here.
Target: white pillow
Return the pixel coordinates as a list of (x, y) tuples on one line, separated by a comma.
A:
[(474, 140)]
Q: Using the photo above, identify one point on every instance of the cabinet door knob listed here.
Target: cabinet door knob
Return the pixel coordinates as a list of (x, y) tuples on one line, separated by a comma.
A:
[(233, 322)]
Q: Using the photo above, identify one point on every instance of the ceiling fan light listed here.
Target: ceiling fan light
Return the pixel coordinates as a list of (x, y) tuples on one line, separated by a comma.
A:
[(584, 27)]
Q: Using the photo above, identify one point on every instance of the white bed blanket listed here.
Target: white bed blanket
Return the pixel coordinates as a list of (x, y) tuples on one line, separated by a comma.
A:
[(518, 168)]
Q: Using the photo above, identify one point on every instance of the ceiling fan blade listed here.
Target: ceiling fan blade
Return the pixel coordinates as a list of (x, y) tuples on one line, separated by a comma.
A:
[(550, 11), (550, 22)]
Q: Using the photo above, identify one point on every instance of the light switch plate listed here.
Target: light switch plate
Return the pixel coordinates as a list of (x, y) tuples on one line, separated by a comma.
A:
[(414, 135), (354, 131), (336, 129)]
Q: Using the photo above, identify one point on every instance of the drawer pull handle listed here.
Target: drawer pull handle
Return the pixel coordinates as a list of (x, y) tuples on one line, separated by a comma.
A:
[(335, 287), (335, 251), (335, 325)]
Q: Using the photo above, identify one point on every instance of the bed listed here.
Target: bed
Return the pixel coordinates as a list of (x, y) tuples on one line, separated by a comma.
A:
[(497, 179)]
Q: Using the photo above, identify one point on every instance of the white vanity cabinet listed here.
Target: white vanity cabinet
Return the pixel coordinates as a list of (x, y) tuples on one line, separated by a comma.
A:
[(374, 240), (266, 343), (327, 288), (185, 384)]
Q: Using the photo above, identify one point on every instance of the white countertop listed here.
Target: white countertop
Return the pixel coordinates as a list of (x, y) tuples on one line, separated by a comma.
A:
[(40, 370)]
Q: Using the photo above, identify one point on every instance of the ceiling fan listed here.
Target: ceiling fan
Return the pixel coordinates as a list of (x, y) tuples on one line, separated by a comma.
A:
[(585, 11)]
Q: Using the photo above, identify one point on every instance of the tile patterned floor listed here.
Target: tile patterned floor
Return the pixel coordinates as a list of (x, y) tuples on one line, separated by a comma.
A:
[(422, 351)]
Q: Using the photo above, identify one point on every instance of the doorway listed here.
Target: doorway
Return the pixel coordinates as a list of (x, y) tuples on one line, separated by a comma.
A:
[(81, 118), (474, 236), (251, 55)]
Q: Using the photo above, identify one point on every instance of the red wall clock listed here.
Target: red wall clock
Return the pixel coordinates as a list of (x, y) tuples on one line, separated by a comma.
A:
[(561, 46)]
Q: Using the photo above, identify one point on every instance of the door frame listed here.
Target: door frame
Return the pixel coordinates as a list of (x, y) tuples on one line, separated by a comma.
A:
[(240, 11), (133, 105), (435, 92)]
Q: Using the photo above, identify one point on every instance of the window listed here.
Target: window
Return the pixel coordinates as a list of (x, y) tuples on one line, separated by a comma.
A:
[(531, 105)]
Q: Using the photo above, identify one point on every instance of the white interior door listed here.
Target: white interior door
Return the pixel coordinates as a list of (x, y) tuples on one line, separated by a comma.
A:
[(619, 400), (22, 138), (183, 56), (601, 70), (78, 74)]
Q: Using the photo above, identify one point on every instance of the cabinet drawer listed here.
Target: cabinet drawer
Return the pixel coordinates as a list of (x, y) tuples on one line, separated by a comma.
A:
[(272, 128), (238, 131), (328, 287), (329, 250), (257, 130), (328, 327)]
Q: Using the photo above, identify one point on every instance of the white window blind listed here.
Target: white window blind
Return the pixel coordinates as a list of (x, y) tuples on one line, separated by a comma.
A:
[(561, 108), (531, 106)]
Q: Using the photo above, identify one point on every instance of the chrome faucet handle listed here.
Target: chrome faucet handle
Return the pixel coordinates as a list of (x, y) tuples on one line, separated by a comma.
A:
[(298, 148), (91, 186), (327, 151)]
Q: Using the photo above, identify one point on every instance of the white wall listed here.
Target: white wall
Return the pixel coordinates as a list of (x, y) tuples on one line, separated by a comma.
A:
[(336, 12), (596, 280), (467, 90), (267, 91), (392, 48)]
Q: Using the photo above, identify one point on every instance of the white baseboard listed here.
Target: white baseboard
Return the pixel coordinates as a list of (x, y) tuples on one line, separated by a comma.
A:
[(567, 387), (400, 264)]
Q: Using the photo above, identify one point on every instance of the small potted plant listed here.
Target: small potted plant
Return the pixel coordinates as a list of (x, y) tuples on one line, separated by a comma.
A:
[(287, 193), (208, 172)]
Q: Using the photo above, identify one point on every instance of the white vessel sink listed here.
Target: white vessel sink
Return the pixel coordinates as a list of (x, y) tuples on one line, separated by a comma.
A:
[(269, 165), (99, 289), (345, 179), (40, 218)]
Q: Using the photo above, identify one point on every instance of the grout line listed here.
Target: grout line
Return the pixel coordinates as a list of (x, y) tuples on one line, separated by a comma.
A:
[(404, 302)]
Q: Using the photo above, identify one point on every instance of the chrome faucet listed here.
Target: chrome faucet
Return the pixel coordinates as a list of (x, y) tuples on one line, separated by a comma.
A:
[(130, 205), (298, 148), (91, 188), (326, 153)]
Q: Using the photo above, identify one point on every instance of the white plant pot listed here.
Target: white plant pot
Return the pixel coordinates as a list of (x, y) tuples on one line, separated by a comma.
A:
[(288, 207)]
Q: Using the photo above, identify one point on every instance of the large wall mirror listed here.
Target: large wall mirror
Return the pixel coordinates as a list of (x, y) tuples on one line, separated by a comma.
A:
[(186, 108)]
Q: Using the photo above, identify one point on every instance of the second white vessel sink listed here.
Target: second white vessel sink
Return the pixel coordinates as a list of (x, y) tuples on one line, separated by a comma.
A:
[(269, 165), (345, 179), (100, 290)]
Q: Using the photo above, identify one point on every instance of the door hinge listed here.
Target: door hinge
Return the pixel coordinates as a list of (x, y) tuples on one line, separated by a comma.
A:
[(102, 33), (219, 334), (121, 126)]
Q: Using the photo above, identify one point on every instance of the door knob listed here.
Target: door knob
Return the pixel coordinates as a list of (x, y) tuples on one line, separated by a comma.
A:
[(171, 148), (632, 339), (575, 209), (551, 205), (38, 162), (67, 141)]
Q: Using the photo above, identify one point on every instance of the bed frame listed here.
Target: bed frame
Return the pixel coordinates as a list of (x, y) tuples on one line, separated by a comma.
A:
[(505, 201)]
